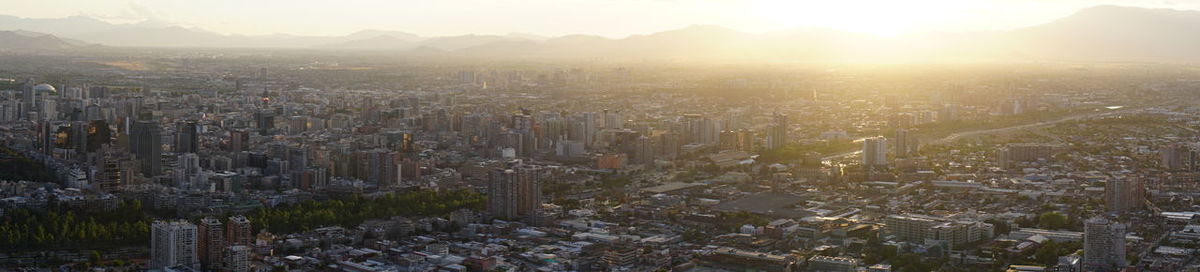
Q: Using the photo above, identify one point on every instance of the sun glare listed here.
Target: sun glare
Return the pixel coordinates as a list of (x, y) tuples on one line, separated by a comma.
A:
[(882, 18)]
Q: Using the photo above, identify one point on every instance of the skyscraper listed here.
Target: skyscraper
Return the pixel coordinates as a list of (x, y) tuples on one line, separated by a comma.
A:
[(1103, 245), (265, 120), (173, 243), (874, 152), (212, 243), (146, 144), (187, 137), (1124, 194), (515, 191)]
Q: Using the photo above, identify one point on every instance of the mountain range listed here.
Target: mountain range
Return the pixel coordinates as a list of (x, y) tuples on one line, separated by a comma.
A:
[(1102, 33)]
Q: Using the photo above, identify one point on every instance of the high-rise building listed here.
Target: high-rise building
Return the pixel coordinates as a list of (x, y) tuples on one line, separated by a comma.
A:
[(1180, 157), (237, 259), (146, 144), (187, 172), (98, 134), (777, 132), (297, 124), (173, 243), (524, 127), (515, 191), (1103, 245), (212, 244), (238, 231), (589, 128), (904, 142), (187, 137), (613, 120), (874, 152), (1124, 194), (265, 120), (239, 140)]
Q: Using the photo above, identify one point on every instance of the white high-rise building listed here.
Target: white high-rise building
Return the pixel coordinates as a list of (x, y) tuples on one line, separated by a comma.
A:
[(874, 152), (1103, 245), (237, 258), (173, 243)]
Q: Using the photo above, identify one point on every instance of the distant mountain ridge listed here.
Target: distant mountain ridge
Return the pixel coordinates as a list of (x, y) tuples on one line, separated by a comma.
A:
[(1103, 33), (26, 40)]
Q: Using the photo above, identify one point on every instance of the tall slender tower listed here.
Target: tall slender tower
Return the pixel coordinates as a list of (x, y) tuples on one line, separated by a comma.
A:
[(146, 144)]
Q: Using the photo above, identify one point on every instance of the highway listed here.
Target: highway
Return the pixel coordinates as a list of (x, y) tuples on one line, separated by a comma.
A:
[(966, 134)]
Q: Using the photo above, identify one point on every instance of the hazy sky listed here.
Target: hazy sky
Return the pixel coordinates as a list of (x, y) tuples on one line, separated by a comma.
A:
[(612, 18)]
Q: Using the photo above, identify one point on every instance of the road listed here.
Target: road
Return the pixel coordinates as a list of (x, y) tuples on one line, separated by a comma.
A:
[(966, 134)]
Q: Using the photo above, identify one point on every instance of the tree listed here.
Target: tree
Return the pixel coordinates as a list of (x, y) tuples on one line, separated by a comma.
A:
[(94, 257), (1002, 227), (1052, 220)]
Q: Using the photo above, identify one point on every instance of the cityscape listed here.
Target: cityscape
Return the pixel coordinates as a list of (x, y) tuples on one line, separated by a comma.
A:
[(1068, 144)]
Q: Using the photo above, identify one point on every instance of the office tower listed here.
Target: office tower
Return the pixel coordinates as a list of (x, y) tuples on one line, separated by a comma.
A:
[(515, 191), (146, 144), (239, 140), (187, 137), (1103, 245), (265, 120), (212, 243), (173, 243), (1124, 194), (237, 259), (777, 132), (874, 152), (238, 232), (98, 134)]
